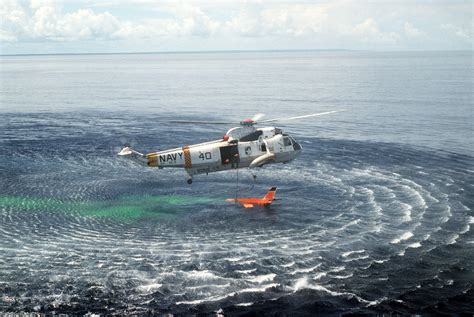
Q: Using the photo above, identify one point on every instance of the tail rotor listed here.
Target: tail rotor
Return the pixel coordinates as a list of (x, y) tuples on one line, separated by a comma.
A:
[(123, 145)]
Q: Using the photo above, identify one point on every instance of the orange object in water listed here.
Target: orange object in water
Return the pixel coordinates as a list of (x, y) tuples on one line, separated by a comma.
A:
[(252, 202)]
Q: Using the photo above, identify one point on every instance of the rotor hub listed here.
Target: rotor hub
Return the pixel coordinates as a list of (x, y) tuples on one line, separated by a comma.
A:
[(247, 123)]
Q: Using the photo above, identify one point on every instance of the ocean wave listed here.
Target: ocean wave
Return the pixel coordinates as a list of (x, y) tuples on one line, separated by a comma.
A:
[(262, 278), (405, 236), (414, 245)]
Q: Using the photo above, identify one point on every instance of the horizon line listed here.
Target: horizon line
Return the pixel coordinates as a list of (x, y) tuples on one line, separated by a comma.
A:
[(224, 51)]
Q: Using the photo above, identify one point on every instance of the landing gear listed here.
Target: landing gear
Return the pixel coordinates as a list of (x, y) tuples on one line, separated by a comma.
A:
[(190, 177)]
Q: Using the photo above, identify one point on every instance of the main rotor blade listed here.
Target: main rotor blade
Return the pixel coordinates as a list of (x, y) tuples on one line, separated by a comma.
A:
[(201, 122), (257, 117), (301, 117)]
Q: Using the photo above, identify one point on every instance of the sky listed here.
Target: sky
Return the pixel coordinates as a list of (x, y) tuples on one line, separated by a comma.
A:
[(105, 26)]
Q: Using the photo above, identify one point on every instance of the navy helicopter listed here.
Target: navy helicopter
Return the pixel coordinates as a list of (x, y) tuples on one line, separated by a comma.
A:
[(245, 146)]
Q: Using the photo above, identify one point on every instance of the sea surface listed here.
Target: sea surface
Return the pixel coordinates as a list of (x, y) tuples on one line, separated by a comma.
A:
[(374, 217)]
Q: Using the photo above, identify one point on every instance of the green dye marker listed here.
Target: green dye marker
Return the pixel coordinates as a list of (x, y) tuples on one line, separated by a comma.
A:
[(125, 207)]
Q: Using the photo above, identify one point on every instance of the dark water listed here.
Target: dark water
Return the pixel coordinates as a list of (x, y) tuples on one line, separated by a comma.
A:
[(374, 217)]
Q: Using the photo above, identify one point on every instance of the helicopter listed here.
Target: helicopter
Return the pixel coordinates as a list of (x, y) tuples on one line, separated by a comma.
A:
[(245, 146)]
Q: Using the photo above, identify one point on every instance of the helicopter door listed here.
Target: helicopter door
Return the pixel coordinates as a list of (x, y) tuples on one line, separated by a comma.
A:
[(229, 154)]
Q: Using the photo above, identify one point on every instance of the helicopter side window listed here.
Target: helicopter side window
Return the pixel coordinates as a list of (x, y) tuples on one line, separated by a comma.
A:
[(286, 141), (252, 136)]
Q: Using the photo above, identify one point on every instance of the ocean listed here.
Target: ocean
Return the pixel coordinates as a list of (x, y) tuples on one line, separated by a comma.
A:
[(374, 217)]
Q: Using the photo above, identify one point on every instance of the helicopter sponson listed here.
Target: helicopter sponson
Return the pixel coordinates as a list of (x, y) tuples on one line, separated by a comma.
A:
[(245, 146)]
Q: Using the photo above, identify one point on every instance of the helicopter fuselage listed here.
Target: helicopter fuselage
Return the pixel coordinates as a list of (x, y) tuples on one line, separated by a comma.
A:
[(241, 147)]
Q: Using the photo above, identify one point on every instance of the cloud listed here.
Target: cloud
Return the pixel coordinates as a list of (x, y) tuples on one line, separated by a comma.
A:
[(411, 31), (287, 20), (13, 19), (84, 24), (359, 24), (45, 20), (193, 21), (185, 20), (245, 24), (458, 31), (368, 31), (7, 37), (295, 20)]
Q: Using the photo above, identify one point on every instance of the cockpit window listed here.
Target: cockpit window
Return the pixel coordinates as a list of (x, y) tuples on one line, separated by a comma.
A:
[(296, 145), (287, 141)]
